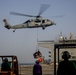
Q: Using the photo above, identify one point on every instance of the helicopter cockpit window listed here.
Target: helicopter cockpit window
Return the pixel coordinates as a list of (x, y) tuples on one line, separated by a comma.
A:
[(43, 21)]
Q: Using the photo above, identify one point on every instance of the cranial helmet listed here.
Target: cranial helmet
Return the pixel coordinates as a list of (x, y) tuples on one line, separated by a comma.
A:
[(6, 60), (66, 55)]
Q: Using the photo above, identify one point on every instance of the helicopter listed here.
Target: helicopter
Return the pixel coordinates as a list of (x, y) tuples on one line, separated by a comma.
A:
[(37, 22)]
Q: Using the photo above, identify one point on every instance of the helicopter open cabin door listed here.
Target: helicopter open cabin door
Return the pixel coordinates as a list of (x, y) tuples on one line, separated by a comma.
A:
[(34, 23), (37, 22), (31, 24)]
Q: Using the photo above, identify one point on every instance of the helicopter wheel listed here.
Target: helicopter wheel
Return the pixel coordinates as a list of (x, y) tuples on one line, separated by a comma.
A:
[(43, 27), (14, 30)]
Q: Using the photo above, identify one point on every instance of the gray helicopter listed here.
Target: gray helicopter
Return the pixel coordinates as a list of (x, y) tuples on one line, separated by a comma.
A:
[(37, 22)]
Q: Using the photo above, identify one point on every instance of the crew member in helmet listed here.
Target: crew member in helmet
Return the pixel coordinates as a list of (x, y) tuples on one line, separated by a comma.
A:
[(66, 67), (5, 66)]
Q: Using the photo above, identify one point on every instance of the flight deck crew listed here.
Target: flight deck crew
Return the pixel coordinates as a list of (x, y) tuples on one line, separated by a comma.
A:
[(66, 67), (5, 66), (37, 69)]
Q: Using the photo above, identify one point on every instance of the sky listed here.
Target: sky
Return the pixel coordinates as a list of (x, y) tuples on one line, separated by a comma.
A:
[(23, 42)]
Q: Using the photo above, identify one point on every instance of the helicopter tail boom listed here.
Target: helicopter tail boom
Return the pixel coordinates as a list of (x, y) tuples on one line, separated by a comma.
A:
[(7, 25)]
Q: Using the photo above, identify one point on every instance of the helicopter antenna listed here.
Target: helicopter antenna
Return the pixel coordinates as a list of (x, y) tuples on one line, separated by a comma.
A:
[(43, 8)]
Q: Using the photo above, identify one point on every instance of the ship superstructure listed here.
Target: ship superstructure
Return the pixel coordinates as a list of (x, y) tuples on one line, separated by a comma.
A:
[(60, 40)]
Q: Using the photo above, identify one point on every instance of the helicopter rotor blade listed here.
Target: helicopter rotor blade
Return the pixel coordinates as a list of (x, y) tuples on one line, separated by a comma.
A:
[(19, 14), (43, 8)]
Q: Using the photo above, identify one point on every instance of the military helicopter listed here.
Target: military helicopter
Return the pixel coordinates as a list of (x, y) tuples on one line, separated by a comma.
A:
[(37, 22)]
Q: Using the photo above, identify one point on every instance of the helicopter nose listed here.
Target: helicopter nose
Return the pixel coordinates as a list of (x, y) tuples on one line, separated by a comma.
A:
[(53, 23)]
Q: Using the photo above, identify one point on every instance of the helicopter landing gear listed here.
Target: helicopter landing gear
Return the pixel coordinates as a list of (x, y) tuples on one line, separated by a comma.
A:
[(14, 30), (43, 27)]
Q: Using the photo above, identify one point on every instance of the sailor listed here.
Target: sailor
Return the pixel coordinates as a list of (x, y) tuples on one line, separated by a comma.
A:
[(66, 67), (5, 66)]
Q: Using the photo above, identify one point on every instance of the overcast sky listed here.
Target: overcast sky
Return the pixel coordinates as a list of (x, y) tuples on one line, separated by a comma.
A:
[(23, 42)]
